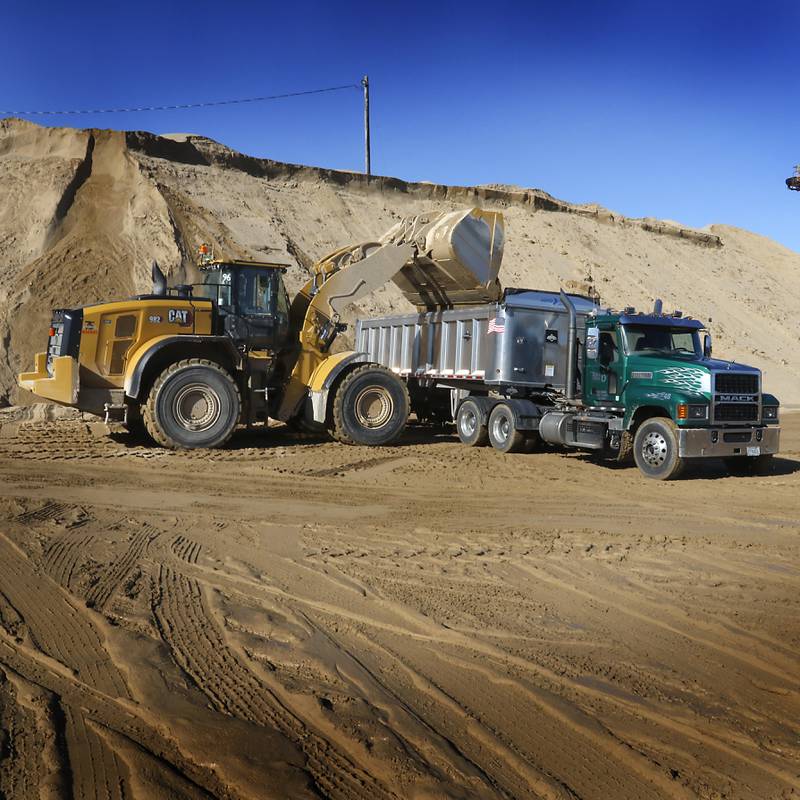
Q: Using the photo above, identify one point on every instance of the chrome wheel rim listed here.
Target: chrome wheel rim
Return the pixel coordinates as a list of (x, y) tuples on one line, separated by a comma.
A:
[(374, 407), (654, 449), (501, 428), (196, 407), (469, 422)]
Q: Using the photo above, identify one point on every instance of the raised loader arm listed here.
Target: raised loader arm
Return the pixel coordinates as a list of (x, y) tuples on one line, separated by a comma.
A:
[(437, 260)]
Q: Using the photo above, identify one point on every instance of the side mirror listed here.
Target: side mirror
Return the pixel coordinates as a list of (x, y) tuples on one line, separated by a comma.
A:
[(707, 345)]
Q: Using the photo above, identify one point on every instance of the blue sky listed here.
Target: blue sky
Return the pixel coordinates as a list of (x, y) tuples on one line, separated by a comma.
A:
[(679, 110)]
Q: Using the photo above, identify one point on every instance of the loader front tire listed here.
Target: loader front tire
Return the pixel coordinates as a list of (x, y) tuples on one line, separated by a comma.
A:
[(370, 407), (193, 404)]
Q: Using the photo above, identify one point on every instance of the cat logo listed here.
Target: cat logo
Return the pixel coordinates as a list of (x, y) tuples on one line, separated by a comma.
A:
[(181, 316)]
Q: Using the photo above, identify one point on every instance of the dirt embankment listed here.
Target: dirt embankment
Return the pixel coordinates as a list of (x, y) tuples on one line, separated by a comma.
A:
[(84, 212), (290, 618)]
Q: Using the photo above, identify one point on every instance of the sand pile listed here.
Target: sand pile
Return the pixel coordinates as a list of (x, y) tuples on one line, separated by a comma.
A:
[(84, 212)]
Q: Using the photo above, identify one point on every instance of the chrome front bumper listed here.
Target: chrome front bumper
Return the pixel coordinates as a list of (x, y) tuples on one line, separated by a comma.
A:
[(696, 442)]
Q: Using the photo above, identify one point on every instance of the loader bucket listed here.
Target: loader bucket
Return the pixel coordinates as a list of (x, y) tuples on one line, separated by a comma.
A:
[(458, 263)]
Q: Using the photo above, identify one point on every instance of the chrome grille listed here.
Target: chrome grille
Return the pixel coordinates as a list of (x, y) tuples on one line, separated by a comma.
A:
[(737, 397), (736, 412), (736, 383)]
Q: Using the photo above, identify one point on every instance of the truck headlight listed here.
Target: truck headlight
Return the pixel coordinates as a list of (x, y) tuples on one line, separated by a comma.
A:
[(698, 412), (771, 413)]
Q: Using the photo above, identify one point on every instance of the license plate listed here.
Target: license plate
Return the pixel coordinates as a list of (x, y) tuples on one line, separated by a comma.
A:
[(754, 451)]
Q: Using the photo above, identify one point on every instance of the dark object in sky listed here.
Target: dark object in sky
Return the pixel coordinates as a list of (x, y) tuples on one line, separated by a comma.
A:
[(793, 183)]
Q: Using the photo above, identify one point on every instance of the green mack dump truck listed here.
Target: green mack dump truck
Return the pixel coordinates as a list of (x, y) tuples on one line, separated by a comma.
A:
[(544, 367)]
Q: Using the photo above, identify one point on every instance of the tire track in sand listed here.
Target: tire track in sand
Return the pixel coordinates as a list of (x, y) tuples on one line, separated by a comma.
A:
[(62, 556), (97, 771), (50, 510), (185, 549), (199, 649), (56, 627), (102, 592)]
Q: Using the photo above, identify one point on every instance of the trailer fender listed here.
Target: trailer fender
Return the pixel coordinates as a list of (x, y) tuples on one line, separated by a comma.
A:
[(324, 377), (526, 414)]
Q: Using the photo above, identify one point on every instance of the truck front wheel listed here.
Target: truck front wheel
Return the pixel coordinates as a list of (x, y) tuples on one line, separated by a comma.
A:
[(193, 404), (655, 449), (370, 407)]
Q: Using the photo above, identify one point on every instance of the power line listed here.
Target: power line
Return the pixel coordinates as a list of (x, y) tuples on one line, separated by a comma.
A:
[(182, 106)]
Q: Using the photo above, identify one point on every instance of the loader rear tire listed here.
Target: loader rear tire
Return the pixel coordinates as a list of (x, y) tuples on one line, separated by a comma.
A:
[(193, 404), (370, 407)]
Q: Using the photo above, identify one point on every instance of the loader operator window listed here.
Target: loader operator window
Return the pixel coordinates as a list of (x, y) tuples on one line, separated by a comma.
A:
[(255, 293), (216, 286), (263, 302), (661, 339)]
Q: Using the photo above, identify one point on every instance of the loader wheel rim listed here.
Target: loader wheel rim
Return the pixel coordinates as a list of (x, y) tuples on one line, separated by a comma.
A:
[(374, 407), (501, 428), (654, 449), (196, 407)]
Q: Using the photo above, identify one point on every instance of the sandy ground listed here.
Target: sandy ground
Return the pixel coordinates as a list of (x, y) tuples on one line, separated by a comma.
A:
[(291, 618)]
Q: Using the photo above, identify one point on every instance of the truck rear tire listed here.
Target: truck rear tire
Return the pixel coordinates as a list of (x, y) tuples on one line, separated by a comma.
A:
[(655, 449), (370, 407), (503, 435), (193, 404), (471, 431)]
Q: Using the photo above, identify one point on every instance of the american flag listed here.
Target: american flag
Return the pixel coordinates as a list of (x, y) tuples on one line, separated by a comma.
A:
[(497, 325)]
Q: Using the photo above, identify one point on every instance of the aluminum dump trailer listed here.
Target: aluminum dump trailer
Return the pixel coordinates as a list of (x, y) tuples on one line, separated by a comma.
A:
[(519, 343)]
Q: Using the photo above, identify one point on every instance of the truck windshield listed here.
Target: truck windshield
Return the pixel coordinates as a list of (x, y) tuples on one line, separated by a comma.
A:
[(660, 339)]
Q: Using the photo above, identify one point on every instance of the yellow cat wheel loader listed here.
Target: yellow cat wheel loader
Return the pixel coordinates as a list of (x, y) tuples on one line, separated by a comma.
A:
[(190, 363)]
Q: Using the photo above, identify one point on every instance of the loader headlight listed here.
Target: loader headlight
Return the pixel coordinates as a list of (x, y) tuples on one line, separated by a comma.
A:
[(698, 412)]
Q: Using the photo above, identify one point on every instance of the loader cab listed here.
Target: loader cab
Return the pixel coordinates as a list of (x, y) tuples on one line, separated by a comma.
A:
[(251, 301)]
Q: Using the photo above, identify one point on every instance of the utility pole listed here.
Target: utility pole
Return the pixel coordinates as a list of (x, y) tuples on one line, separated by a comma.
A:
[(367, 159)]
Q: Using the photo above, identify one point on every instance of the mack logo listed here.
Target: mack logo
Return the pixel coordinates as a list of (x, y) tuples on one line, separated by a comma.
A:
[(735, 398), (180, 315), (551, 337)]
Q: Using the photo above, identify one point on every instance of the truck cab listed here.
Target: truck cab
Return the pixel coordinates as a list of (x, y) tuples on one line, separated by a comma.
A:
[(653, 366)]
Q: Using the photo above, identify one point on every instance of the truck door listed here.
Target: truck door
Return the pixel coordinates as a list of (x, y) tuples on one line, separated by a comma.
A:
[(604, 378)]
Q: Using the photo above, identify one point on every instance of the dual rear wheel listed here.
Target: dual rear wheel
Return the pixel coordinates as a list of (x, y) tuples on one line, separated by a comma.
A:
[(499, 430)]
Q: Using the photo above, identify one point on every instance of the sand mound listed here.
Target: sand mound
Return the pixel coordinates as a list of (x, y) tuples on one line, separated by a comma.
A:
[(85, 211)]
